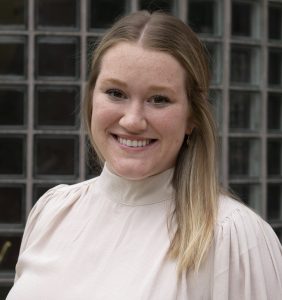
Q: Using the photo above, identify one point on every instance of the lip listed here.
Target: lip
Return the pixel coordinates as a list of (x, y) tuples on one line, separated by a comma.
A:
[(137, 139)]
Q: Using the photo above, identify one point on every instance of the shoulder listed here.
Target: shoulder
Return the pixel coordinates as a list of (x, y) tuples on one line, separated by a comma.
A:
[(51, 207), (236, 216), (63, 194), (68, 188), (229, 208), (238, 222), (246, 248)]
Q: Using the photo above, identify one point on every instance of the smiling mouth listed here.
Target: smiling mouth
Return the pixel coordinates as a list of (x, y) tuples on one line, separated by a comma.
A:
[(134, 143)]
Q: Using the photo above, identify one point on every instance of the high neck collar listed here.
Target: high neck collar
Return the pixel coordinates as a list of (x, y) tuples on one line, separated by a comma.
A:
[(153, 189)]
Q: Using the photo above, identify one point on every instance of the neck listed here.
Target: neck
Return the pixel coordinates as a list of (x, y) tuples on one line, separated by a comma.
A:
[(147, 191)]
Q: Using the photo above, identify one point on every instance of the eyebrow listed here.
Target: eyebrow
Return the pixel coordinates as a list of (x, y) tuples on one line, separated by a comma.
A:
[(151, 87), (114, 81)]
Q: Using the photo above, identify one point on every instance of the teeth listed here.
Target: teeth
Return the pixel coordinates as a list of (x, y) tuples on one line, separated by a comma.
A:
[(133, 143)]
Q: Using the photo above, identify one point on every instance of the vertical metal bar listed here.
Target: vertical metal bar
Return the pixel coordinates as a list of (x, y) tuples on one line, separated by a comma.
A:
[(30, 103), (182, 10), (226, 9), (264, 66), (134, 5), (83, 69)]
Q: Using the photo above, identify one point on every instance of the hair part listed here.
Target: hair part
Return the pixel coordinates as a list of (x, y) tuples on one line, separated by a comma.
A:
[(195, 177)]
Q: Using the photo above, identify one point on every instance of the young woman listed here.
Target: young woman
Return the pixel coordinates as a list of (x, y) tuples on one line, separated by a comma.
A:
[(154, 224)]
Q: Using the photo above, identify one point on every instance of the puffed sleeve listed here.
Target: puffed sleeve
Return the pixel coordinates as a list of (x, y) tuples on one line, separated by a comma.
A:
[(33, 219), (247, 256), (35, 212), (47, 214)]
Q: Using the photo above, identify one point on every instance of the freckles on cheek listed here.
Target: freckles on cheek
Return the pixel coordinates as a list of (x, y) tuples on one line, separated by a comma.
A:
[(102, 117), (173, 123)]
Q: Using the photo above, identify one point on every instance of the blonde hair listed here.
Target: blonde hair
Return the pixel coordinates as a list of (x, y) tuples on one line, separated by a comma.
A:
[(195, 177)]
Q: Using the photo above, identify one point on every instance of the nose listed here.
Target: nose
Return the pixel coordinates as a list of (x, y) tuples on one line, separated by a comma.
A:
[(133, 119)]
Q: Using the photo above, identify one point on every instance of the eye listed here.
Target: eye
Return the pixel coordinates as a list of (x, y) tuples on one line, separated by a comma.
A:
[(159, 100), (116, 94)]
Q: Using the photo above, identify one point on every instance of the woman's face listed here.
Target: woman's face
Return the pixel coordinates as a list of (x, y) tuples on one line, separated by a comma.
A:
[(140, 110)]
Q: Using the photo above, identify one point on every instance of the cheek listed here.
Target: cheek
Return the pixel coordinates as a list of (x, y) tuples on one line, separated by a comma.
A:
[(98, 129), (98, 116), (103, 116), (174, 124), (98, 121)]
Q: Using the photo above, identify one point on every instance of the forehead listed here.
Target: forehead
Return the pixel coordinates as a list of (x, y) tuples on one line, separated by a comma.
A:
[(130, 58)]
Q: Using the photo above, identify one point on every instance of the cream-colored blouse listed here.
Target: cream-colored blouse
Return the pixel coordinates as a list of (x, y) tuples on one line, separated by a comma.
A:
[(107, 239)]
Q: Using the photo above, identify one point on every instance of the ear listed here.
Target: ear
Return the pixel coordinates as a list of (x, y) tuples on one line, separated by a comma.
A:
[(190, 126), (189, 130)]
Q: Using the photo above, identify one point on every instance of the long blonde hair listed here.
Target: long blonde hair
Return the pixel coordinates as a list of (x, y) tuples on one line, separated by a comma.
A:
[(195, 177)]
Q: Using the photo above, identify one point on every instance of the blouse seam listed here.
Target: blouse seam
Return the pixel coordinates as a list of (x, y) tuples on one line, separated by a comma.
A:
[(141, 204), (232, 215), (63, 187)]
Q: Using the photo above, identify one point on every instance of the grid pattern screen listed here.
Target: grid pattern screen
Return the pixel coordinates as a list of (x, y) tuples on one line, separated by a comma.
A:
[(45, 46)]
